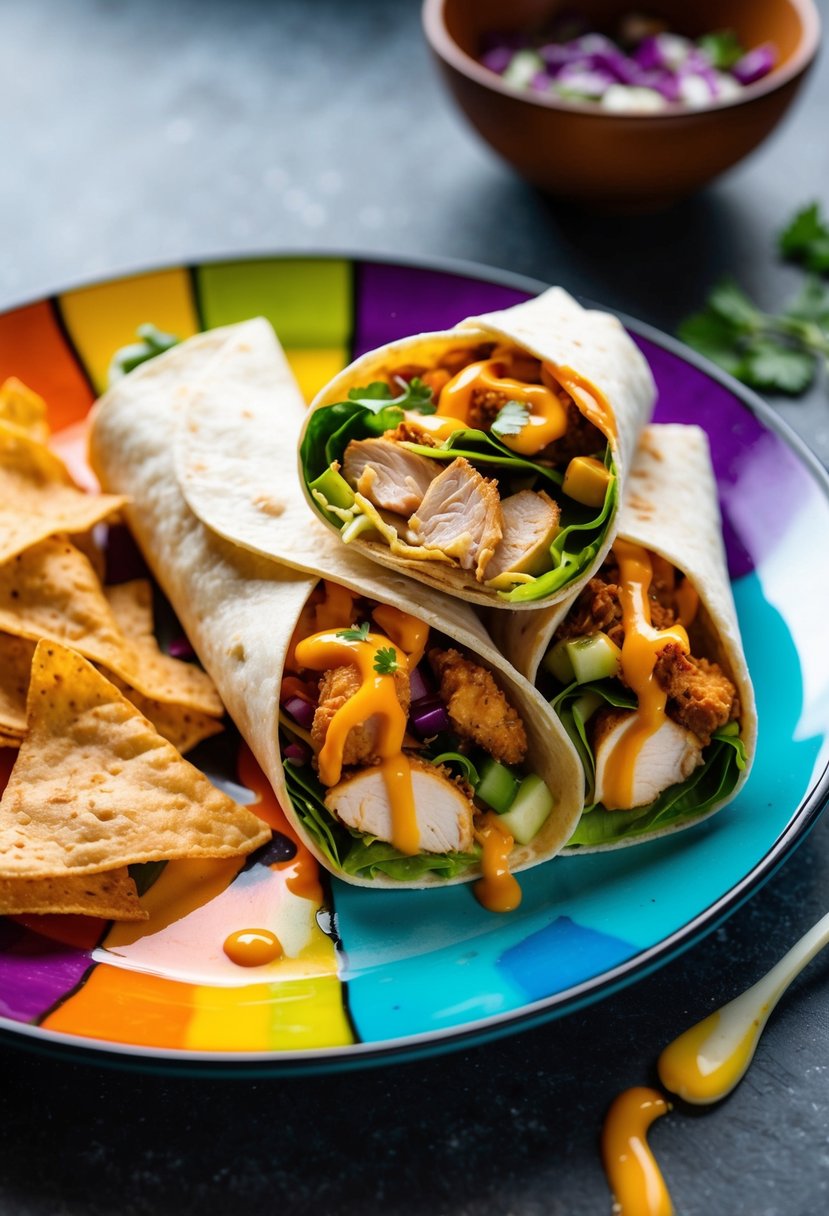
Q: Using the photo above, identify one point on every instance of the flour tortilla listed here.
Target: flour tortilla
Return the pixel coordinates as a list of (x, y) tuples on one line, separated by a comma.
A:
[(672, 509), (556, 329), (150, 433)]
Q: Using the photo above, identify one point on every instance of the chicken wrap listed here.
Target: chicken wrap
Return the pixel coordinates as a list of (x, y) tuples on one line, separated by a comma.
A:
[(645, 666), (487, 460), (377, 709)]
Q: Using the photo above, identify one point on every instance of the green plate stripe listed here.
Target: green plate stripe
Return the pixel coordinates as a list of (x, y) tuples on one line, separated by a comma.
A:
[(307, 300)]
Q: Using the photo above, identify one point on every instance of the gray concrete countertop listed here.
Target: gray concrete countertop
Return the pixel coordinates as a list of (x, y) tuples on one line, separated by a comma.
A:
[(140, 134)]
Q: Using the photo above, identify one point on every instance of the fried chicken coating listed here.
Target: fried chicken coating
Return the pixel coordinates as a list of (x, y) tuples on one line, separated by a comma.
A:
[(477, 707)]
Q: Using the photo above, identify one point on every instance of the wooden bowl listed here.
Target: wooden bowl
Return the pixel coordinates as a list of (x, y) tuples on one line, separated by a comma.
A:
[(622, 162)]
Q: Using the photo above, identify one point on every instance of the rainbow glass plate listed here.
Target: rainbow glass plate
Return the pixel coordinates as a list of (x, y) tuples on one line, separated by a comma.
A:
[(380, 975)]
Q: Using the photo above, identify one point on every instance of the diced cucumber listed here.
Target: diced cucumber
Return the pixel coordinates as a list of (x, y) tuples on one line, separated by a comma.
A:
[(557, 662), (594, 658), (498, 785), (530, 808), (334, 488)]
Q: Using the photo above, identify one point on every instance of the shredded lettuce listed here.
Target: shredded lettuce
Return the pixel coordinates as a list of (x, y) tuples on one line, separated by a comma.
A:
[(712, 782)]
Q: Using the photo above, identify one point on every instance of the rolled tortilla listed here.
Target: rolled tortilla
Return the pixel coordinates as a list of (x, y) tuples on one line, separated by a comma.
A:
[(593, 361), (671, 510), (240, 609)]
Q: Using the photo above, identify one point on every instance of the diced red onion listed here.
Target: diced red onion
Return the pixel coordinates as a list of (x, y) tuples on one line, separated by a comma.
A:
[(180, 648), (497, 59), (575, 79), (663, 82), (756, 64), (430, 718), (556, 54), (648, 54), (300, 710), (420, 685), (696, 89), (298, 752)]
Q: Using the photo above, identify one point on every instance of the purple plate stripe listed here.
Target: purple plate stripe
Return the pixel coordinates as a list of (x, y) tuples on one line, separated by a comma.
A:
[(761, 482), (396, 301), (35, 972)]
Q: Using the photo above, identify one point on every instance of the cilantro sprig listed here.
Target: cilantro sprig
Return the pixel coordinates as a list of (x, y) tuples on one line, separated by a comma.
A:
[(385, 661), (779, 352), (413, 395), (357, 633), (510, 419)]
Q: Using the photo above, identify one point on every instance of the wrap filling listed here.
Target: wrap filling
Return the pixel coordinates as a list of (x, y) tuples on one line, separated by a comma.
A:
[(402, 754), (635, 677), (489, 459)]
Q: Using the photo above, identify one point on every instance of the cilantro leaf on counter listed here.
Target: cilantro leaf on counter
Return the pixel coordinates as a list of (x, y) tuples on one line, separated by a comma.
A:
[(806, 239), (510, 419), (776, 353)]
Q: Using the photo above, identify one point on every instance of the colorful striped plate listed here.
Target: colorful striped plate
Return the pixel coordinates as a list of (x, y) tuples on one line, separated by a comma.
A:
[(375, 975)]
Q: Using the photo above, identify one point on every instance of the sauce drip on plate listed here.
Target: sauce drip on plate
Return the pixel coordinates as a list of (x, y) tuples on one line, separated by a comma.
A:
[(252, 947)]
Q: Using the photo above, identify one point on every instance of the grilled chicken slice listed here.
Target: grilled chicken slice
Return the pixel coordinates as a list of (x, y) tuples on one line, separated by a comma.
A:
[(461, 515), (387, 474), (477, 707), (670, 755), (530, 524), (336, 687), (444, 813)]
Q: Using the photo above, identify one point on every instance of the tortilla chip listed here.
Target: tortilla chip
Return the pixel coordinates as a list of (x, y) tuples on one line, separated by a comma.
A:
[(51, 591), (95, 787), (23, 409), (38, 496), (179, 724), (183, 726), (15, 667), (111, 895), (165, 678)]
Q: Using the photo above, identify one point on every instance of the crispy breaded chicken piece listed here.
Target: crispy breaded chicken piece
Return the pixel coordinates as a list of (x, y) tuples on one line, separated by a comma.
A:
[(477, 708), (598, 608), (700, 694), (336, 687)]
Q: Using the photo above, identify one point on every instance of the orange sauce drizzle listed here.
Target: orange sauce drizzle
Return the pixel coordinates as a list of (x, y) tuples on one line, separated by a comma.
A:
[(407, 632), (635, 1179), (375, 698), (252, 947), (590, 399), (548, 417), (498, 890), (639, 652), (303, 878)]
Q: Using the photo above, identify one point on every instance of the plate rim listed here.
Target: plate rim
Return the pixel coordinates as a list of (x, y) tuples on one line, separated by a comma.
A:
[(432, 1043)]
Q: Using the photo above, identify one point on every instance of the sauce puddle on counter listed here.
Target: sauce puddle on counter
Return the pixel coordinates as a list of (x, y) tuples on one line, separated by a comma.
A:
[(635, 1179)]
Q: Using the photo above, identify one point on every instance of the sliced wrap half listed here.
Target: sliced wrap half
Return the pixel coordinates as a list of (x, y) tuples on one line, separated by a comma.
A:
[(153, 434), (487, 460), (687, 692)]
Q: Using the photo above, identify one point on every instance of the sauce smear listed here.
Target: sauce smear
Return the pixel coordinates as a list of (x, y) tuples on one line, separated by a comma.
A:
[(635, 1179)]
